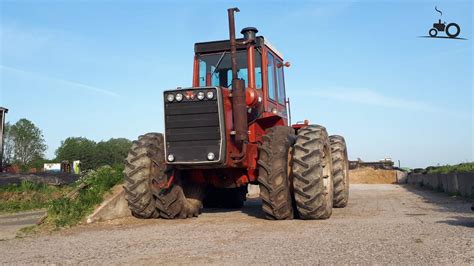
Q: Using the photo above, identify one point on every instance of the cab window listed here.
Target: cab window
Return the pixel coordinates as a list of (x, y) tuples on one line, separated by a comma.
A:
[(280, 82), (271, 76), (216, 69)]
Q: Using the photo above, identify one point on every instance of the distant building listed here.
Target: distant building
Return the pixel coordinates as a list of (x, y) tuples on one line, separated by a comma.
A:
[(52, 167), (386, 163), (3, 111)]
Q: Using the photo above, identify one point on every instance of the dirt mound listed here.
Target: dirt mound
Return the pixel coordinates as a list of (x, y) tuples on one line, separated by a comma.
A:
[(369, 175)]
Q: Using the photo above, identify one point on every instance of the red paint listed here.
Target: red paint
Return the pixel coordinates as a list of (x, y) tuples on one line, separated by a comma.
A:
[(251, 65), (196, 71)]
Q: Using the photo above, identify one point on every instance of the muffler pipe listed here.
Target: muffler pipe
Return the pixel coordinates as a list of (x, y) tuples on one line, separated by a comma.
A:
[(239, 109)]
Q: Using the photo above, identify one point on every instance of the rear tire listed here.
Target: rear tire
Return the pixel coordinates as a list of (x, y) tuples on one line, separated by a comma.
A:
[(312, 173), (340, 169), (273, 177), (455, 34)]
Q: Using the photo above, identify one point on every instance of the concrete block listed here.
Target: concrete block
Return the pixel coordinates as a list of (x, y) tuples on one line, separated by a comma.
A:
[(435, 182), (449, 183), (425, 180), (113, 207), (432, 181), (414, 179), (466, 184), (402, 177)]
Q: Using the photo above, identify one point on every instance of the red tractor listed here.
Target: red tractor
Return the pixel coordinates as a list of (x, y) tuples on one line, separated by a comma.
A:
[(231, 129)]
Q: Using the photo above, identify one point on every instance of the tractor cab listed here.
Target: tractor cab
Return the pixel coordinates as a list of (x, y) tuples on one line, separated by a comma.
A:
[(238, 93), (260, 65)]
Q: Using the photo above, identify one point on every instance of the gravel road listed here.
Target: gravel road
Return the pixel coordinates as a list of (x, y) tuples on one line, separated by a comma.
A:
[(11, 223), (382, 224)]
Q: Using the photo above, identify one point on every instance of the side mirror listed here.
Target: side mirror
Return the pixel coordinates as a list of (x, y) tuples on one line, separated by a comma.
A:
[(286, 64)]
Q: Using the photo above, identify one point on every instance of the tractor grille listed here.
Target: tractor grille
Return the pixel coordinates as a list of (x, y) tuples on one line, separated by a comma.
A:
[(193, 128)]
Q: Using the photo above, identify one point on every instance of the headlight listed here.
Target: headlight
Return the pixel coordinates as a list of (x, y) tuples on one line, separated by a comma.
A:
[(210, 156), (210, 95), (179, 97), (200, 95), (170, 97)]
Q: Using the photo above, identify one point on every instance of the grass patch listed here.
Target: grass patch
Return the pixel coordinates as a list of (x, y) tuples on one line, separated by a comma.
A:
[(66, 211), (25, 231), (28, 196), (448, 169)]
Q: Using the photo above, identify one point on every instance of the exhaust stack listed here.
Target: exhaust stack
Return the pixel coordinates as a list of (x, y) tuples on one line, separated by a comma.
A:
[(239, 109)]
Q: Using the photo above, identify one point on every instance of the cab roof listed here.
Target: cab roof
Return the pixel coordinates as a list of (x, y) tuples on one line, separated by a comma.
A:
[(224, 45)]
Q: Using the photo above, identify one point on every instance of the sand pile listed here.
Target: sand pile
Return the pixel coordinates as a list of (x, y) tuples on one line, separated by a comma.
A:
[(371, 176)]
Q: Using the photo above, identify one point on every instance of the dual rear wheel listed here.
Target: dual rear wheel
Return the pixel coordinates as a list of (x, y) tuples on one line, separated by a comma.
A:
[(302, 175)]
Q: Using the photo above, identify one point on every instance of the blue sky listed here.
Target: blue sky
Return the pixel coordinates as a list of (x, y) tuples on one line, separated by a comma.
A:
[(98, 68)]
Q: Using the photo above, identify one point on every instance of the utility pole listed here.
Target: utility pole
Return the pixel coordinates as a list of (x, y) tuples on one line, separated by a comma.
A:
[(3, 111)]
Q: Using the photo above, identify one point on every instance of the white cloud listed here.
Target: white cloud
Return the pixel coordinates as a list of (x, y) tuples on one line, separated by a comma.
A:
[(63, 82)]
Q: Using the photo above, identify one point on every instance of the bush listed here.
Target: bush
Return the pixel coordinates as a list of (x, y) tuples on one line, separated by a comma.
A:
[(447, 169), (69, 211)]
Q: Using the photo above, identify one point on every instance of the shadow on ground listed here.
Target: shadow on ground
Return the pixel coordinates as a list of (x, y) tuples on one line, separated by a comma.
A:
[(459, 221), (252, 207), (443, 202)]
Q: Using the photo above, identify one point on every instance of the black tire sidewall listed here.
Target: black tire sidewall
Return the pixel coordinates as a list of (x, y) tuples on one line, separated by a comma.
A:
[(277, 200), (458, 30), (433, 35)]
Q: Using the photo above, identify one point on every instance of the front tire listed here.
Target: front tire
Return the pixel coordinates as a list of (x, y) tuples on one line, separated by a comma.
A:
[(145, 175), (139, 177), (340, 168), (273, 175), (433, 32), (312, 173)]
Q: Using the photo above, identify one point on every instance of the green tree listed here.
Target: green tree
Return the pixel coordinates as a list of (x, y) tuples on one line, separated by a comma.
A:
[(28, 141), (91, 154), (112, 152), (78, 148)]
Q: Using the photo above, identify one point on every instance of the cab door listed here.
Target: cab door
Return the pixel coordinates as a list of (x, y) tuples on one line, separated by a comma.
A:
[(275, 92)]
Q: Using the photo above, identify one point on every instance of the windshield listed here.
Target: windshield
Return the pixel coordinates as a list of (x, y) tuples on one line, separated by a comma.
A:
[(216, 69)]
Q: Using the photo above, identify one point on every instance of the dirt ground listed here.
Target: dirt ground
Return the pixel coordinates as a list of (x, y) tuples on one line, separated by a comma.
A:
[(382, 224), (10, 224), (369, 175)]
